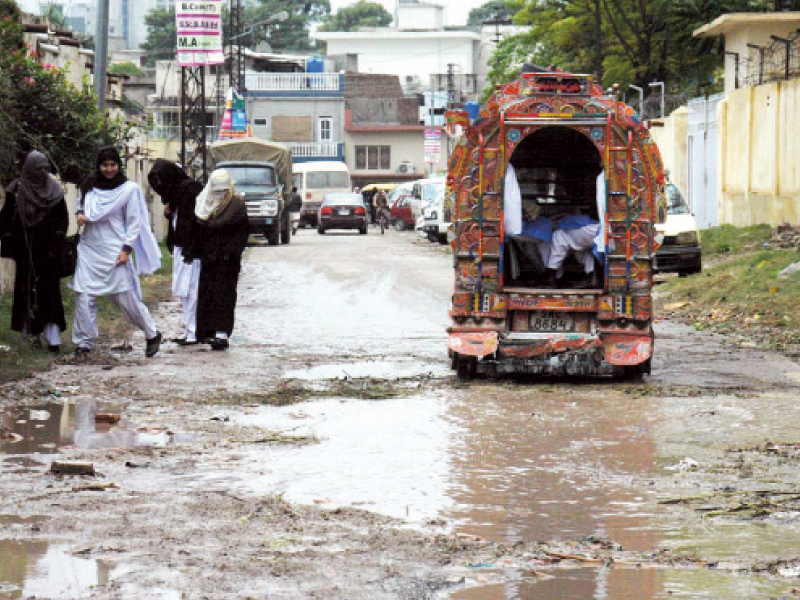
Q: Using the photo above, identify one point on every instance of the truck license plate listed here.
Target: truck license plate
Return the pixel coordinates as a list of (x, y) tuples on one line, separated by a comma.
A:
[(541, 320)]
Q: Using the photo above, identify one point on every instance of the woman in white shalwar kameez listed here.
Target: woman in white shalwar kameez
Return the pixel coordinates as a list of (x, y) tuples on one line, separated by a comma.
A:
[(115, 220)]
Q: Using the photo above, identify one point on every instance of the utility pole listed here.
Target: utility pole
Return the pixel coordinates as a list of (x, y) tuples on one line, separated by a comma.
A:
[(101, 55)]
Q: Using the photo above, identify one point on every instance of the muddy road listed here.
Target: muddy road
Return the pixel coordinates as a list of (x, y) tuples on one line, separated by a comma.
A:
[(330, 453)]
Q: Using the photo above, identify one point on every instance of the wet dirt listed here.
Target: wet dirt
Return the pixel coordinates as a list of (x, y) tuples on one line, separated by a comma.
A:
[(331, 453)]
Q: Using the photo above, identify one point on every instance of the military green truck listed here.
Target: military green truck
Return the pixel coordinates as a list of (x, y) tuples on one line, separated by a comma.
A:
[(262, 172)]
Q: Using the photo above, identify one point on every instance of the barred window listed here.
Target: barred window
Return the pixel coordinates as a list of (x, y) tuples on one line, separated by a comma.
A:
[(373, 157)]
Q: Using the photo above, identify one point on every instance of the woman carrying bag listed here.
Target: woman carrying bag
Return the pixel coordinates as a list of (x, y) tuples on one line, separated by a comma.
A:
[(33, 226)]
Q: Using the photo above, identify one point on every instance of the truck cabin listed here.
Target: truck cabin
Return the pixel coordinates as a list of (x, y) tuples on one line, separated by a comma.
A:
[(554, 204)]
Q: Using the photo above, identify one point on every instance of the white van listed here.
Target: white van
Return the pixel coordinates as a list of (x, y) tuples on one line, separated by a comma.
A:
[(315, 179)]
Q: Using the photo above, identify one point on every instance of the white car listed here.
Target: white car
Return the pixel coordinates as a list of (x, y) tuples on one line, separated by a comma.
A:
[(680, 251), (435, 220)]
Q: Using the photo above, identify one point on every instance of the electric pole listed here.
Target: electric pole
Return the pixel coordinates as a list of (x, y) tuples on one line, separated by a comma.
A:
[(101, 55)]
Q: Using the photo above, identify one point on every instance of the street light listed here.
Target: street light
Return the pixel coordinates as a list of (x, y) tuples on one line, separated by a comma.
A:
[(661, 85)]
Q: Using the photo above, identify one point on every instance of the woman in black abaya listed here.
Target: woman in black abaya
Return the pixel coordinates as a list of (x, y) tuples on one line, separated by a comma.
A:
[(33, 224)]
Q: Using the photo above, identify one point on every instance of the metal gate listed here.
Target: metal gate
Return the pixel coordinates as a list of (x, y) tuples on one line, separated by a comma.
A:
[(702, 157)]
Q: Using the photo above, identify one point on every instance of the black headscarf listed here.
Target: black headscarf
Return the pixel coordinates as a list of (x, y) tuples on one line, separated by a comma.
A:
[(166, 178), (37, 191), (100, 181)]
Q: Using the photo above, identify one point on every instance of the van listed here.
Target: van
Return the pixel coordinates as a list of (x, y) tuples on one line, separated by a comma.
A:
[(424, 193), (680, 250), (315, 179)]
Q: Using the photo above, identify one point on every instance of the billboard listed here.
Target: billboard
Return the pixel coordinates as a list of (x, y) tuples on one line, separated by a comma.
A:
[(433, 145), (199, 29)]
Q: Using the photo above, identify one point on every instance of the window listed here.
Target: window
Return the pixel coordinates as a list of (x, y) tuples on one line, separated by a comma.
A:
[(373, 157), (325, 132)]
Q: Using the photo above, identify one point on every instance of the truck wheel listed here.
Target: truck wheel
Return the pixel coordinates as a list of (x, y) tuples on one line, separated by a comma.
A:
[(399, 224), (286, 228), (273, 235)]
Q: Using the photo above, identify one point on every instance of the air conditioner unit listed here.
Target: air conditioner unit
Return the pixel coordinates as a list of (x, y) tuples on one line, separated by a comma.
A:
[(412, 79), (406, 167)]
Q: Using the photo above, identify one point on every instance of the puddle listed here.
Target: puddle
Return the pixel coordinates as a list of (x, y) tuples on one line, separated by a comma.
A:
[(374, 369), (41, 570), (624, 584), (388, 457), (45, 429)]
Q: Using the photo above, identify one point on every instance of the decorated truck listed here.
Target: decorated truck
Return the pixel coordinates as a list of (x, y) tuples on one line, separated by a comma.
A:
[(262, 172), (555, 190)]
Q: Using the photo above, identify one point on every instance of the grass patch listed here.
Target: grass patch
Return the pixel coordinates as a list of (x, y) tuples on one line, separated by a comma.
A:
[(21, 360), (294, 392), (742, 294), (727, 239)]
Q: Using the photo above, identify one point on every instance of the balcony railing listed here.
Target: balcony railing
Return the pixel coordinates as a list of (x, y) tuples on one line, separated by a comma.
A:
[(313, 149), (173, 132), (293, 82)]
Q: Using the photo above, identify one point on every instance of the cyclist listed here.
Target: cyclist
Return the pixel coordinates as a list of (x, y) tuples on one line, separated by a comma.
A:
[(381, 203)]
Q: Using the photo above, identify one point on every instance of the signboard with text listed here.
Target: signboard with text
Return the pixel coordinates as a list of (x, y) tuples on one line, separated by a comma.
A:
[(199, 29), (433, 145)]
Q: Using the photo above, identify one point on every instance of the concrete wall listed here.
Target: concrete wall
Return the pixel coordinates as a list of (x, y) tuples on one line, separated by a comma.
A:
[(759, 148), (670, 135)]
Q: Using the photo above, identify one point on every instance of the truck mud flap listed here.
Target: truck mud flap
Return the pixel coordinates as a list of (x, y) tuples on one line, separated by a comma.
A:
[(478, 344), (622, 350)]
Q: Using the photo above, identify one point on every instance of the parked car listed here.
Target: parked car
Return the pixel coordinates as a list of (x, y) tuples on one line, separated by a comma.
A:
[(680, 250), (315, 179), (436, 220), (342, 210), (400, 203)]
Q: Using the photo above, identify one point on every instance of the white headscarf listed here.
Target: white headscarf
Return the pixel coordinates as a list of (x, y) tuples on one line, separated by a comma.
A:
[(215, 196)]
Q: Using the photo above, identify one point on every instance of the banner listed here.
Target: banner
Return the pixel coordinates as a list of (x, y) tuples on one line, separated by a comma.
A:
[(433, 145), (199, 28), (234, 121)]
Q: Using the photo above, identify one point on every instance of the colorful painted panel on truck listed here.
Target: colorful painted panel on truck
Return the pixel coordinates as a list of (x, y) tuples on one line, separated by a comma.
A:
[(555, 189)]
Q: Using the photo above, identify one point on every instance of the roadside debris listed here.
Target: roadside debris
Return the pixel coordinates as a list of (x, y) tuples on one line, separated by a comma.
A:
[(72, 468)]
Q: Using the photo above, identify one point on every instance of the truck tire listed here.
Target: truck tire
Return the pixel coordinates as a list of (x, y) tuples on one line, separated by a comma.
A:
[(286, 227), (466, 367), (273, 235)]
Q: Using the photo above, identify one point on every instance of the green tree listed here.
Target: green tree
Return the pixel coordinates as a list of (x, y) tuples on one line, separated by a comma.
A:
[(162, 37), (493, 9), (40, 109), (126, 68), (620, 41), (291, 34), (360, 14)]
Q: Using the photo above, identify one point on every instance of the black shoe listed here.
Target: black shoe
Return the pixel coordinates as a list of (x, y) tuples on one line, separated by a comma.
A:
[(185, 342), (82, 351), (219, 344), (153, 344), (54, 348)]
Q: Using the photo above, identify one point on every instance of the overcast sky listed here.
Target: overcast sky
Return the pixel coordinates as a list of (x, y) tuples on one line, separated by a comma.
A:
[(456, 11)]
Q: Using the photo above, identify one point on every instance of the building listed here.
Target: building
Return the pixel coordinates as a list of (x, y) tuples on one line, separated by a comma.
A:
[(751, 40), (126, 25)]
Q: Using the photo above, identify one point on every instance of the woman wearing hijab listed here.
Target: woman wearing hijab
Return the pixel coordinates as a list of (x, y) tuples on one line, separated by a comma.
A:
[(179, 193), (33, 224), (114, 215), (223, 233)]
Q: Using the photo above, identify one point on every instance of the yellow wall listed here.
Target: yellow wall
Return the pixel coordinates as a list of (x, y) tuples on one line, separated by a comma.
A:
[(758, 154)]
